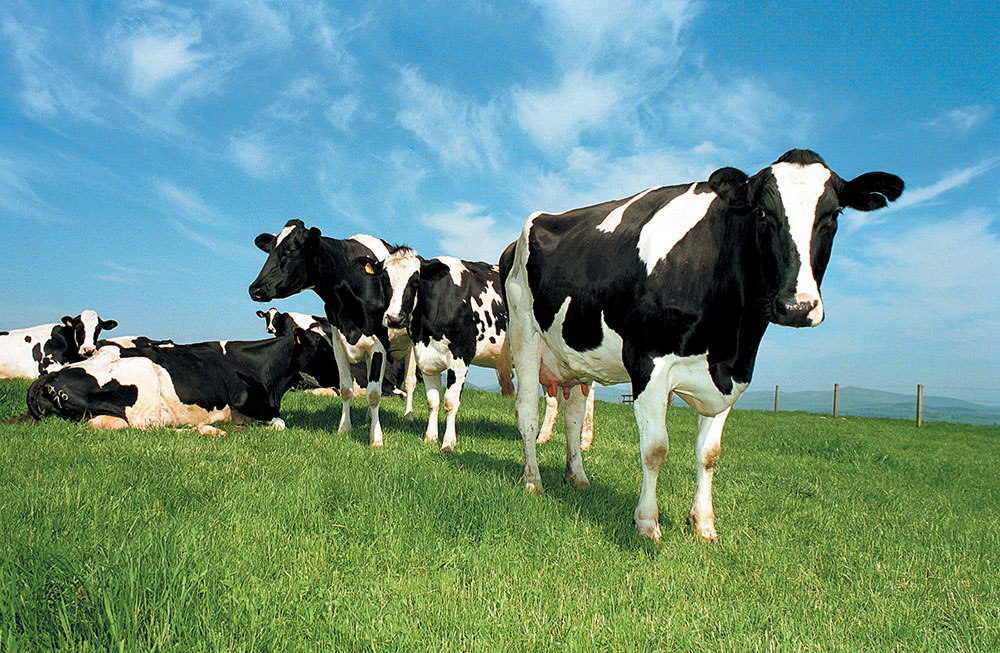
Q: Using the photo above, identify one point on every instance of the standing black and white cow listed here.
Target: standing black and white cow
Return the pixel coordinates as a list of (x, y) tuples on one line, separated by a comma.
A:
[(343, 274), (456, 318), (29, 353), (672, 289), (177, 385)]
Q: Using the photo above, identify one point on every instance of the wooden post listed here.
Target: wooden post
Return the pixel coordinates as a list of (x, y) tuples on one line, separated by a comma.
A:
[(775, 397), (920, 405), (836, 399)]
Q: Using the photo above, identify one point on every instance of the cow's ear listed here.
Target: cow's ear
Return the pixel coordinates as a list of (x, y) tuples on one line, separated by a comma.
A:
[(732, 186), (432, 270), (265, 242), (314, 235), (67, 320), (367, 264), (870, 191), (261, 314), (107, 325)]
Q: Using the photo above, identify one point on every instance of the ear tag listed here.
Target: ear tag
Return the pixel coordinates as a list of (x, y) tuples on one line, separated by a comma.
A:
[(369, 269), (68, 322), (298, 339)]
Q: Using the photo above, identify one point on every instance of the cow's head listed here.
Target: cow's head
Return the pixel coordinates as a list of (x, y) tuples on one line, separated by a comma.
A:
[(795, 204), (400, 276), (84, 330), (278, 323), (286, 270)]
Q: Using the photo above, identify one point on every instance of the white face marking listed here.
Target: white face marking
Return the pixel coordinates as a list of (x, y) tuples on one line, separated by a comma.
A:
[(800, 188), (222, 345), (89, 319), (400, 267), (377, 247), (455, 268), (610, 223), (670, 224), (284, 234)]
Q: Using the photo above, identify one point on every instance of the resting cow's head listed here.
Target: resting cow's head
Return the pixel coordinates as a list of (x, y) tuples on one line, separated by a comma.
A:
[(84, 330), (795, 204), (286, 270), (278, 323), (400, 276)]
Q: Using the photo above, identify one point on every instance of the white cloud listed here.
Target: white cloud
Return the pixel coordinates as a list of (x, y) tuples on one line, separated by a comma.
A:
[(254, 154), (155, 59), (460, 131), (188, 202), (471, 234), (961, 119), (342, 112), (949, 182), (556, 116)]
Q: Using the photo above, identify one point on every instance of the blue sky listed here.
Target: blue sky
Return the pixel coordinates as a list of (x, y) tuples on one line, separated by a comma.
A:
[(144, 145)]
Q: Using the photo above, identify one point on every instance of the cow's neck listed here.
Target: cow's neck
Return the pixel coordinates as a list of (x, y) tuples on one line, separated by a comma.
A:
[(327, 269)]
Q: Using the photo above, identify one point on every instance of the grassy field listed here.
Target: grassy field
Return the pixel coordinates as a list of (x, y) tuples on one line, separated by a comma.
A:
[(848, 534)]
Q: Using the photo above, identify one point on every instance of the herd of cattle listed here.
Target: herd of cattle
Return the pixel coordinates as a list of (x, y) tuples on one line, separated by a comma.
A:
[(670, 289)]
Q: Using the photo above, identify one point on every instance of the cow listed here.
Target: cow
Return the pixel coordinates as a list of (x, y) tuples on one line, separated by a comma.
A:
[(322, 372), (29, 353), (343, 274), (672, 289), (455, 317), (177, 385)]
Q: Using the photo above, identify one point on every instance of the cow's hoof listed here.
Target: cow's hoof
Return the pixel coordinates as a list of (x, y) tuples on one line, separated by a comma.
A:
[(430, 438), (408, 418), (542, 439), (378, 444), (208, 429), (447, 447), (277, 424), (578, 483), (649, 528), (108, 422), (703, 529), (533, 486)]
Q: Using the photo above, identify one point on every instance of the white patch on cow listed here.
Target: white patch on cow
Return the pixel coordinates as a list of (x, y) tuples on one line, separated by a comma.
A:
[(90, 320), (800, 188), (455, 268), (602, 364), (488, 353), (377, 247), (610, 223), (401, 266), (434, 356), (669, 224), (222, 346), (16, 360), (284, 234)]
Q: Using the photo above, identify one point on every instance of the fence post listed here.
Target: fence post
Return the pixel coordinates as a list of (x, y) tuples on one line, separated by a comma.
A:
[(775, 397), (836, 399), (920, 405)]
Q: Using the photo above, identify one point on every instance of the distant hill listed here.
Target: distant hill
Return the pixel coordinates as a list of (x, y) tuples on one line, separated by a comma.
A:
[(874, 403), (860, 402)]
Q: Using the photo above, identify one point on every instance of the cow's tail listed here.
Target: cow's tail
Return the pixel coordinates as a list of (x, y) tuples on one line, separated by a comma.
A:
[(505, 369)]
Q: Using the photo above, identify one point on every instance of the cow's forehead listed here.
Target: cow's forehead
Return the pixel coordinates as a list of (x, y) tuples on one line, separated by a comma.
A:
[(89, 319), (284, 234), (801, 186)]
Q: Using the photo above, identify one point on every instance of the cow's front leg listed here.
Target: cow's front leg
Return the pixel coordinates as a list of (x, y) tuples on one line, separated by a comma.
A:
[(706, 453), (432, 383), (376, 369), (574, 408), (650, 416), (455, 379), (587, 434)]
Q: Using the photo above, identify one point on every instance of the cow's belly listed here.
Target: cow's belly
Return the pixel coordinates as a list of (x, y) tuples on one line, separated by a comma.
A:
[(602, 364), (487, 350), (359, 352), (14, 366)]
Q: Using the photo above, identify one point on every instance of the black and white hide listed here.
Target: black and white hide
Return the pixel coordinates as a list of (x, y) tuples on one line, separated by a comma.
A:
[(29, 353)]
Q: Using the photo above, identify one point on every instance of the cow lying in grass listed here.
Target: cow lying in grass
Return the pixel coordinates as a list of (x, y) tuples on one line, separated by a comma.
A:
[(29, 353), (177, 385)]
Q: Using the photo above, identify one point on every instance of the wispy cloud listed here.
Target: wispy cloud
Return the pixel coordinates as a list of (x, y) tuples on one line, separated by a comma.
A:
[(556, 116), (255, 154), (468, 232), (126, 275), (189, 203), (460, 131), (156, 59), (961, 119)]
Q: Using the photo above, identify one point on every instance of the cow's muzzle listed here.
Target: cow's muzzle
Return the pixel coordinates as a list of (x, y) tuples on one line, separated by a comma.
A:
[(258, 294), (802, 311), (395, 320)]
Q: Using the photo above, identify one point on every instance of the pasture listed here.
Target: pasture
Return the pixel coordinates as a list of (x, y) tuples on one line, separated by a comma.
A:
[(846, 534)]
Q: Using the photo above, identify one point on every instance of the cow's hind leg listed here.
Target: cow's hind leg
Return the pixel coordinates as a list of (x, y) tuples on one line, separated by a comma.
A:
[(587, 434), (455, 379), (526, 347), (432, 383), (706, 453), (376, 369), (574, 408), (650, 416), (346, 383), (108, 422), (410, 383), (549, 420)]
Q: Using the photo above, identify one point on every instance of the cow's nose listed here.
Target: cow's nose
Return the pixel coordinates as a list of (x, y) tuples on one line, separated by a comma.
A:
[(87, 351), (257, 294), (395, 320), (799, 312)]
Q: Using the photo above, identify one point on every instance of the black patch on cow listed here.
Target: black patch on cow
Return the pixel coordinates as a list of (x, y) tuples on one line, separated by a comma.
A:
[(7, 333), (713, 293), (26, 338), (74, 394), (450, 378), (36, 352), (375, 371)]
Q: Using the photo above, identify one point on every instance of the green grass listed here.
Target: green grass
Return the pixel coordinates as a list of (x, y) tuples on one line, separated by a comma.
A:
[(849, 534)]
